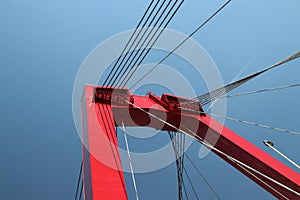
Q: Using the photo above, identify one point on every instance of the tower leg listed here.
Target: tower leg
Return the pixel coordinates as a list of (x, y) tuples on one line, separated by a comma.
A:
[(103, 176)]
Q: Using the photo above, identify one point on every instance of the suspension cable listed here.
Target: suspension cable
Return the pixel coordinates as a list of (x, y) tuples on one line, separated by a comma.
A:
[(139, 23), (245, 122), (181, 43), (238, 162), (203, 177), (248, 169), (148, 46), (190, 181), (81, 190), (197, 170), (178, 157), (185, 191), (124, 82), (207, 97), (137, 53), (115, 77), (181, 148), (78, 180), (130, 163), (259, 91)]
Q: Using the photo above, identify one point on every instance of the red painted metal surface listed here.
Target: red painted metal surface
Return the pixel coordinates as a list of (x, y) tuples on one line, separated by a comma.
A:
[(203, 125), (103, 179)]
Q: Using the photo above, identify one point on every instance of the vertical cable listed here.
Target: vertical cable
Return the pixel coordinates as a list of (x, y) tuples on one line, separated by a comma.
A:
[(130, 162)]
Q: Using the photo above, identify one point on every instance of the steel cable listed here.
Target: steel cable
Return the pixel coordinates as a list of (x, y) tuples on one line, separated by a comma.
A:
[(181, 43), (141, 49), (259, 91), (137, 49), (120, 66), (78, 181), (145, 13), (209, 96), (130, 73)]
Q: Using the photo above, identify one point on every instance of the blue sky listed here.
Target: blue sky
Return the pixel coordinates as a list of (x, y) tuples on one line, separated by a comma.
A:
[(43, 43)]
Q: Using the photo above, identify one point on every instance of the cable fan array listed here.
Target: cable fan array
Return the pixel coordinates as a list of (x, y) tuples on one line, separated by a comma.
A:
[(178, 143), (153, 23), (216, 94)]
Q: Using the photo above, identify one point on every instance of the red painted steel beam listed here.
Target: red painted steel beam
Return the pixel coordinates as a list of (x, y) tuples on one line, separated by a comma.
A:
[(103, 178), (205, 127)]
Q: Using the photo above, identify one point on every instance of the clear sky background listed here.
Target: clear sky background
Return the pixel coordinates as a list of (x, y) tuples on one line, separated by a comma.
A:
[(43, 43)]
